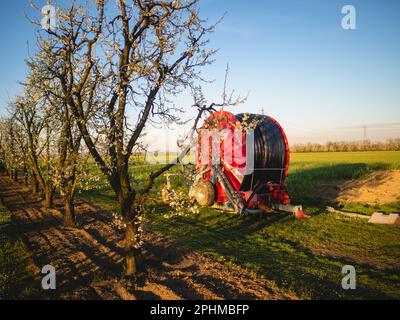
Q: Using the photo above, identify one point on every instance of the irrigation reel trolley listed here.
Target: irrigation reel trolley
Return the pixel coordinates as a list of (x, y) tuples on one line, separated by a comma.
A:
[(239, 171)]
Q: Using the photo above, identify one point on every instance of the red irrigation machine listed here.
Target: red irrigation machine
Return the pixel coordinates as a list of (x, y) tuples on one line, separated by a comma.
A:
[(242, 162)]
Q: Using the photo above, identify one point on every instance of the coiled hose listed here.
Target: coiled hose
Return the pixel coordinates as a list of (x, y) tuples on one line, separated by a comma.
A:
[(270, 152)]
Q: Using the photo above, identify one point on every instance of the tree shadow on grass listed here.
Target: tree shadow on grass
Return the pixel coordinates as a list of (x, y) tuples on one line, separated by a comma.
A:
[(292, 265), (288, 263)]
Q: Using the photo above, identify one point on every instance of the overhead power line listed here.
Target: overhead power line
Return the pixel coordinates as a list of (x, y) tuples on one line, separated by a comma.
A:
[(394, 125)]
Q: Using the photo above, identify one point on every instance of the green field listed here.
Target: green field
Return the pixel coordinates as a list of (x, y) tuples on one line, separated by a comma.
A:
[(306, 256)]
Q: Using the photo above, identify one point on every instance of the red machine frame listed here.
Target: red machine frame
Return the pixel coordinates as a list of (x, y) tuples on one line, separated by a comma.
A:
[(228, 181)]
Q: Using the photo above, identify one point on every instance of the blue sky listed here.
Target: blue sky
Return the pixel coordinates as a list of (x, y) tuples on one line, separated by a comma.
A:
[(293, 57)]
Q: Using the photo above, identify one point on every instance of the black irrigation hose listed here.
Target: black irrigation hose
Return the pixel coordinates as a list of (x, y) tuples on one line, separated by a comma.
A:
[(269, 152)]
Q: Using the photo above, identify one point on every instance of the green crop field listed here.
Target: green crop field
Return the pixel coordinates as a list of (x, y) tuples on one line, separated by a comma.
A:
[(302, 256)]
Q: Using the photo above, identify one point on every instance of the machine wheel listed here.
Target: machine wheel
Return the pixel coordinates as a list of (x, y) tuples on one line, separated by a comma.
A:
[(204, 193)]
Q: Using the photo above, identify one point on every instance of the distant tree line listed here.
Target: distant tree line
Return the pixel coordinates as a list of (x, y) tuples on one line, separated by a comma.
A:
[(342, 146)]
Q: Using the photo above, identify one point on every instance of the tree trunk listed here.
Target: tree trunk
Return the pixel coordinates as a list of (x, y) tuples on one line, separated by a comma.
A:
[(26, 175), (35, 184), (15, 175), (69, 216), (48, 198), (132, 259)]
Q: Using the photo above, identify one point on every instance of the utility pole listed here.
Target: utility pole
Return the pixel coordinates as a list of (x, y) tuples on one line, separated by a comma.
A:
[(373, 126), (365, 134)]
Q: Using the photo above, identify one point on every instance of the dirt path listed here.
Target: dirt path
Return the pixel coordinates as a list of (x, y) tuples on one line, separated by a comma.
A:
[(88, 260)]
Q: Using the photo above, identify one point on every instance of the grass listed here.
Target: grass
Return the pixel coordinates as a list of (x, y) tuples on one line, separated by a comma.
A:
[(306, 256), (16, 280)]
